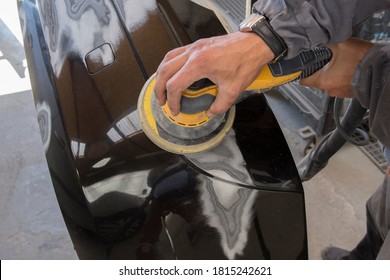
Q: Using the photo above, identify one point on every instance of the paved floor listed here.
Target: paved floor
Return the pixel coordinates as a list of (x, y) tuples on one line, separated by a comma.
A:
[(31, 225), (335, 200)]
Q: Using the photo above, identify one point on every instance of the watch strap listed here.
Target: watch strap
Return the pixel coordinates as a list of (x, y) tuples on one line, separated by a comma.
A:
[(260, 25), (271, 38)]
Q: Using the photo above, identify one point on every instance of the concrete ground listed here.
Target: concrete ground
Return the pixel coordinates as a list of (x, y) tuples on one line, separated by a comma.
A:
[(31, 225), (335, 201)]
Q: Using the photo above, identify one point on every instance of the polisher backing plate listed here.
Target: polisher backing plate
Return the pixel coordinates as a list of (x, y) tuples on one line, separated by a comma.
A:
[(175, 138)]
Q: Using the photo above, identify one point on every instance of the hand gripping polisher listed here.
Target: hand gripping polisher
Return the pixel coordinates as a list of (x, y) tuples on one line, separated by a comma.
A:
[(191, 130)]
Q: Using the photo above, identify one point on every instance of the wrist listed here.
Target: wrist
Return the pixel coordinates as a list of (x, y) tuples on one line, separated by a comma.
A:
[(261, 48), (259, 25)]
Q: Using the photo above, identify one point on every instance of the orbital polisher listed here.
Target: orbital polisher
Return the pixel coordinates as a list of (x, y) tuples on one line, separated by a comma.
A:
[(191, 131)]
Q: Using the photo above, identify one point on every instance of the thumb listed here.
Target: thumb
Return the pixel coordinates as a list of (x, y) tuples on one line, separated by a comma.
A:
[(312, 80)]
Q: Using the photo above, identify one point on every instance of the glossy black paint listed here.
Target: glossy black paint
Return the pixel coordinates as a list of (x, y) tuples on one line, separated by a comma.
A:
[(122, 196)]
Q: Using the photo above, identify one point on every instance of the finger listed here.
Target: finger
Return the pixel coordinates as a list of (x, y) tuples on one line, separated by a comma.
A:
[(224, 100), (173, 53), (179, 82), (165, 72)]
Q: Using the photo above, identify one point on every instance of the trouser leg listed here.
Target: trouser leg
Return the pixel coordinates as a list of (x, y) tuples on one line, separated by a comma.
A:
[(369, 246), (378, 224)]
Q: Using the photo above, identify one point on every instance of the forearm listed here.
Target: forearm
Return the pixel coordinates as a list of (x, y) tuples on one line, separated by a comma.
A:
[(371, 85), (307, 24)]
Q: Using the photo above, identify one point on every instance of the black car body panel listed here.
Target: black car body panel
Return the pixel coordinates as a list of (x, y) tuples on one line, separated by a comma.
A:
[(124, 197)]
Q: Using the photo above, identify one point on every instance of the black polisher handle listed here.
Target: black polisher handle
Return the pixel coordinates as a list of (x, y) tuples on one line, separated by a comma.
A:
[(307, 62)]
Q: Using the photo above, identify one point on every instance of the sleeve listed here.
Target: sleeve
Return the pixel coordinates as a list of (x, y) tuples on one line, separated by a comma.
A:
[(305, 24), (371, 85)]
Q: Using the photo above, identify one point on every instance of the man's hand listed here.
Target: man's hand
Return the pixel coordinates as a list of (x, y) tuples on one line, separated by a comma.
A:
[(230, 61), (336, 76)]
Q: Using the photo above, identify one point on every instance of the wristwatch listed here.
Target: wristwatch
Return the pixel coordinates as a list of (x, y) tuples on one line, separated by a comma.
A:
[(259, 24)]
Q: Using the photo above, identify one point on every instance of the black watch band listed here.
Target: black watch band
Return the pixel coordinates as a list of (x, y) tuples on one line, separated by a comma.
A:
[(259, 24)]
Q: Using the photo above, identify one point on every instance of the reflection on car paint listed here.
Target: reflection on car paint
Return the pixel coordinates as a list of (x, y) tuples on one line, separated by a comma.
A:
[(229, 210), (224, 161), (76, 8), (131, 184), (78, 148), (226, 207), (101, 163), (44, 122), (126, 127), (99, 58), (136, 12), (90, 23)]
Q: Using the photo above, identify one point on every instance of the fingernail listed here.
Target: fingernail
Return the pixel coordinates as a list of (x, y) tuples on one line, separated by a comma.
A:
[(209, 115)]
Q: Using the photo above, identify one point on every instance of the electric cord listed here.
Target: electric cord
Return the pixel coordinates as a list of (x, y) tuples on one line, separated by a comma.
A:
[(318, 158), (336, 114)]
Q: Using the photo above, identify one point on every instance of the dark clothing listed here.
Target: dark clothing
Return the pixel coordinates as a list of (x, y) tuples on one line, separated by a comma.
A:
[(305, 24), (377, 226), (371, 83)]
